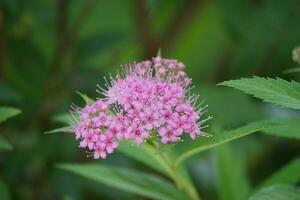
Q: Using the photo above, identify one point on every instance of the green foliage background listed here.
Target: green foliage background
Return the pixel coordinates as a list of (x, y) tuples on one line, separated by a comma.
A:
[(49, 49)]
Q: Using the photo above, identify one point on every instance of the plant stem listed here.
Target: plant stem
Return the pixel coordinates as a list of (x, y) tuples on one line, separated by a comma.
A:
[(181, 182)]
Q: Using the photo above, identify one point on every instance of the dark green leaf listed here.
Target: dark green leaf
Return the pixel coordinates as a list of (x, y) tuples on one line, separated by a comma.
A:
[(288, 174), (4, 192), (233, 183)]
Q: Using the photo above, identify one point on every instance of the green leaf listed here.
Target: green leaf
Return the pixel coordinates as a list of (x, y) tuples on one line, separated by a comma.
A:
[(4, 144), (151, 157), (159, 52), (133, 181), (292, 70), (203, 143), (86, 98), (233, 183), (160, 161), (4, 192), (277, 91), (63, 118), (67, 129), (288, 174), (296, 54), (289, 128), (147, 155), (8, 112), (277, 192)]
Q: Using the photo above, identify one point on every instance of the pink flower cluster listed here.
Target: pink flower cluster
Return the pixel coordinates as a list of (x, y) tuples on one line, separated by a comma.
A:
[(149, 101), (93, 128)]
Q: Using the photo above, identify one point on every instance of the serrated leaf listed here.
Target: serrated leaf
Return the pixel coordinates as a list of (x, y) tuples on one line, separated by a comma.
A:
[(67, 129), (129, 180), (204, 143), (289, 128), (231, 178), (86, 98), (277, 192), (8, 112), (288, 174), (4, 192), (4, 145), (277, 91)]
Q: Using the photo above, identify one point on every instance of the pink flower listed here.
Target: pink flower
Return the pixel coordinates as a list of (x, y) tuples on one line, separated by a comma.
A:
[(151, 97), (93, 129)]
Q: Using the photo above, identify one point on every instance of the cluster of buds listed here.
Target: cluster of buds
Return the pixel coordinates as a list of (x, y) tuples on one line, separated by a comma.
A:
[(150, 99)]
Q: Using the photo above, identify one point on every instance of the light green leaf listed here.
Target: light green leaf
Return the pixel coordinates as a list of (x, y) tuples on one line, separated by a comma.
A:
[(4, 192), (160, 161), (296, 54), (62, 118), (277, 91), (277, 192), (292, 70), (4, 144), (288, 174), (133, 181), (289, 128), (159, 52), (67, 129), (8, 112), (203, 143), (146, 154), (150, 156), (86, 98), (233, 183)]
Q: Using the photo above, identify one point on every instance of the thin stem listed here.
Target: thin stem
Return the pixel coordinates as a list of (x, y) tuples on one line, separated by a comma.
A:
[(181, 183)]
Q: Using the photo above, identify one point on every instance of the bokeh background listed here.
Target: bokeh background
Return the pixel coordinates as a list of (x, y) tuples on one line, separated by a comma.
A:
[(49, 49)]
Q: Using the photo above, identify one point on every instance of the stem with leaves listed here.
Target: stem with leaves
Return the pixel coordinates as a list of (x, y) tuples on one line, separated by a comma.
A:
[(181, 182)]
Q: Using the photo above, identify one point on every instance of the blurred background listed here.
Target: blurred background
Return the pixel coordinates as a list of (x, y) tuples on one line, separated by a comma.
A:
[(49, 49)]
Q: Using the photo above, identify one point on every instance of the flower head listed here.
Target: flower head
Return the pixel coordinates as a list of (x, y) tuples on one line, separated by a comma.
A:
[(150, 98), (93, 129)]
